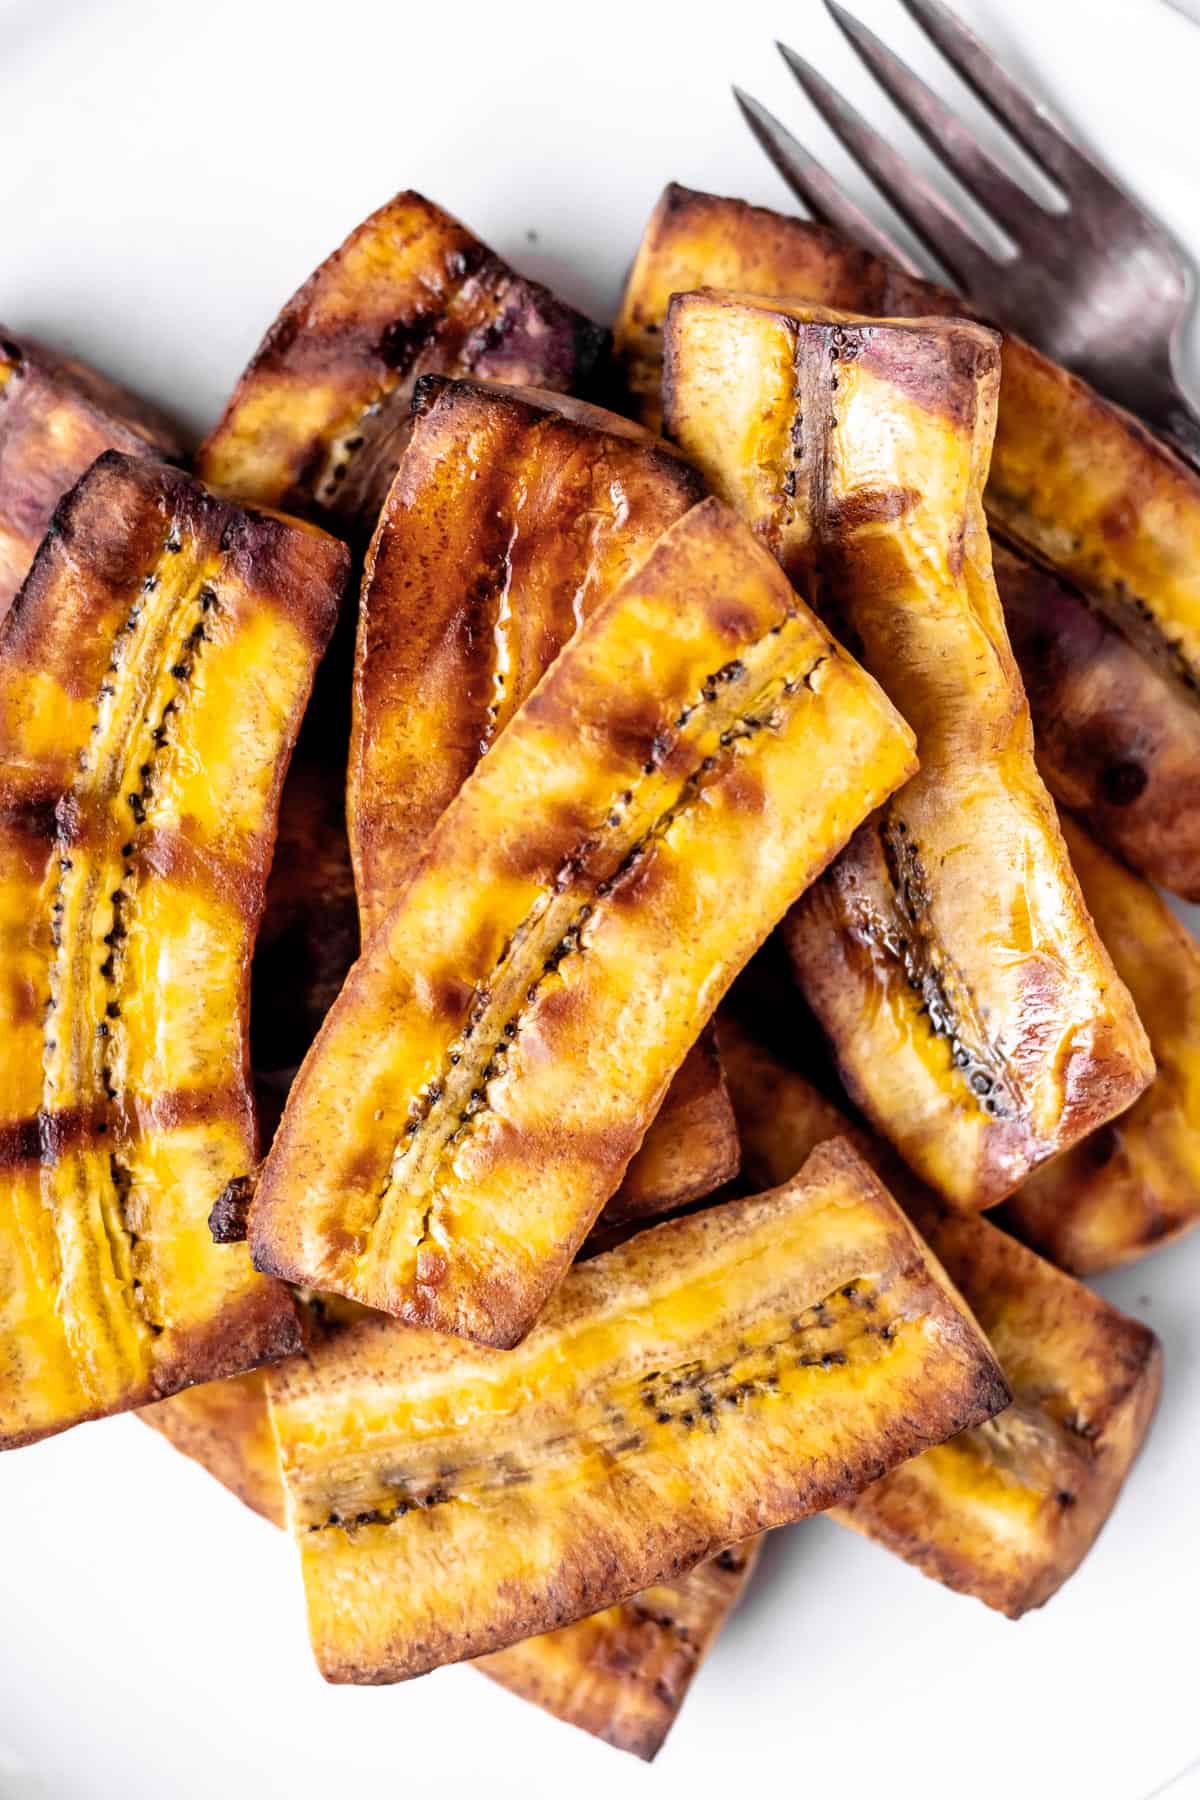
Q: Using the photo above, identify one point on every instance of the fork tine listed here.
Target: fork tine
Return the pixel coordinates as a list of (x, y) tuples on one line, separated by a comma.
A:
[(1054, 153), (930, 217), (948, 136), (815, 186)]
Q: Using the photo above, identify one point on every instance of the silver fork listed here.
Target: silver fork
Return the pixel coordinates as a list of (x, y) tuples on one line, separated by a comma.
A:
[(1102, 285)]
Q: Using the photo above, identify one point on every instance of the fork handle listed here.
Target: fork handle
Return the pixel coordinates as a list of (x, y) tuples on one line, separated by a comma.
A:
[(1168, 411)]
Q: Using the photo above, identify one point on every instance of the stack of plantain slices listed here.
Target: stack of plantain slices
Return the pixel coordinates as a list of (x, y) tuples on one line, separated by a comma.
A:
[(532, 1141)]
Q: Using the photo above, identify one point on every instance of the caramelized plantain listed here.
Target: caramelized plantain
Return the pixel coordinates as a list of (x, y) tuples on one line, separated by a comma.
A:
[(857, 450), (514, 515), (153, 671), (1073, 479), (1116, 743), (622, 1674), (1135, 1184), (319, 420), (56, 417), (711, 1378), (678, 776), (1007, 1510)]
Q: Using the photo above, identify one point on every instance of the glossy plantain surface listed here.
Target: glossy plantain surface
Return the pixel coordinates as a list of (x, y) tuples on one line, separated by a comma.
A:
[(677, 778), (1135, 1184), (622, 1674), (711, 1378), (56, 417), (153, 671), (1074, 480), (319, 420), (1007, 1510), (513, 516), (976, 1016)]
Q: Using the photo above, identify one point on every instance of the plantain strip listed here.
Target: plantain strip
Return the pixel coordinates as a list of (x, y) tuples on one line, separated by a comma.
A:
[(693, 757), (152, 675), (711, 1378), (857, 450), (1074, 481), (318, 422), (1008, 1509), (1135, 1184), (514, 515)]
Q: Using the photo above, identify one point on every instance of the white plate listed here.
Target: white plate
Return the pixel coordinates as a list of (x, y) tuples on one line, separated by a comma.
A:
[(170, 174)]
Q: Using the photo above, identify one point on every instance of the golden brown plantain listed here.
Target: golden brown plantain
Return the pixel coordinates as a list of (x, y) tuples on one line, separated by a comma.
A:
[(514, 515), (622, 1674), (710, 1379), (319, 420), (153, 671), (1116, 743), (1135, 1184), (858, 450), (56, 417), (1073, 479), (695, 755), (1007, 1510)]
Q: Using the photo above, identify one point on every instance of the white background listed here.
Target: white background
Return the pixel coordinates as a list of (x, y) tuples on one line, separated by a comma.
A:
[(169, 174)]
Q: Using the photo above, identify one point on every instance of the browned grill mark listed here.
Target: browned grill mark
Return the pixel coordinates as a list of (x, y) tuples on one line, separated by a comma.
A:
[(690, 1397), (768, 711)]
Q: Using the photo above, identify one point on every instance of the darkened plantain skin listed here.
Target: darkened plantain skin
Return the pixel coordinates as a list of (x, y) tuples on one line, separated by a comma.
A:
[(492, 1064), (319, 420), (858, 450), (1116, 743), (1073, 479), (513, 516), (622, 1674), (153, 671), (729, 1372), (1135, 1184), (56, 417), (1007, 1510)]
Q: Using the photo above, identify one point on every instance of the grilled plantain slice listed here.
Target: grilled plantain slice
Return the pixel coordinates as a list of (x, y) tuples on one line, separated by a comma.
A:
[(623, 1674), (1073, 478), (690, 761), (152, 675), (514, 515), (711, 1378), (1135, 1184), (319, 420), (857, 451), (56, 417), (1116, 743), (1007, 1510)]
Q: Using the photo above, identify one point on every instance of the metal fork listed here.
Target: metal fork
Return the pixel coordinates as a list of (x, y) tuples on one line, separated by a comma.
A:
[(1100, 285)]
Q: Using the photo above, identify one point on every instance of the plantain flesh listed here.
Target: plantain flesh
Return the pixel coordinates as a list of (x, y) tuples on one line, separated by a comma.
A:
[(1074, 481), (709, 1379), (623, 1674), (1135, 1184), (857, 450), (1007, 1510), (515, 514), (318, 422), (153, 671), (56, 417), (491, 1065)]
